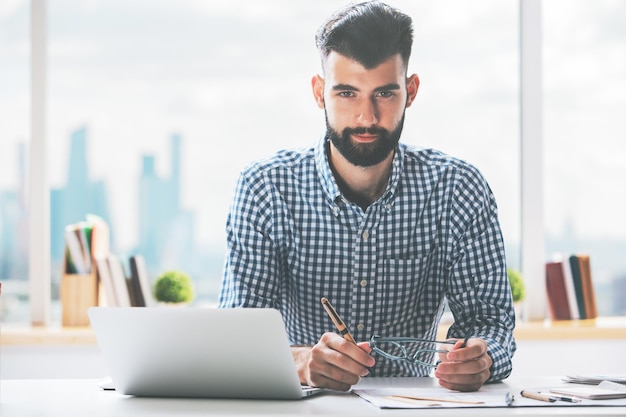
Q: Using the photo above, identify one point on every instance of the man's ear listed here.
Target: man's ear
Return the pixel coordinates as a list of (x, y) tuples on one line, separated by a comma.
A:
[(317, 84), (412, 85)]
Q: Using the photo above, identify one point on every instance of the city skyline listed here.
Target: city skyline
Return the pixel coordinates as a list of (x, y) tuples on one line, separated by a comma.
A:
[(171, 245)]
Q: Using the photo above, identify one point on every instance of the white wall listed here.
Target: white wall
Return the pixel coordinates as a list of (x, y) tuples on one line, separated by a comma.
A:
[(563, 357), (53, 361)]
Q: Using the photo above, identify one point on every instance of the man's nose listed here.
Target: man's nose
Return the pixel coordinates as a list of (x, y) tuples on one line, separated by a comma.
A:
[(367, 113)]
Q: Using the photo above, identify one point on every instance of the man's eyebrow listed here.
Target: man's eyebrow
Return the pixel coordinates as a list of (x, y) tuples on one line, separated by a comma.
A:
[(344, 87), (390, 86), (348, 87)]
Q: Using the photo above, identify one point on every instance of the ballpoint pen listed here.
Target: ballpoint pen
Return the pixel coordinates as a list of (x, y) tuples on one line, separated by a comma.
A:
[(565, 398), (537, 396), (467, 337), (339, 324)]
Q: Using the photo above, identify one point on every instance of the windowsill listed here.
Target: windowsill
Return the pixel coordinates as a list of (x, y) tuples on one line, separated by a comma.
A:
[(46, 335), (600, 328)]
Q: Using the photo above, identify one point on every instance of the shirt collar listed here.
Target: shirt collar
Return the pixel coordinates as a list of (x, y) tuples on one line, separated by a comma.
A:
[(325, 173)]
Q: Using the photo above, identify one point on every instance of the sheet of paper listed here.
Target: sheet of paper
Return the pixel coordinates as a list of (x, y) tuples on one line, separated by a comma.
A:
[(486, 397), (434, 398)]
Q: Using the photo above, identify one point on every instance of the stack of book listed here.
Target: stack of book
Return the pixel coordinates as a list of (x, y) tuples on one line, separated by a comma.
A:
[(84, 242), (569, 286), (121, 289)]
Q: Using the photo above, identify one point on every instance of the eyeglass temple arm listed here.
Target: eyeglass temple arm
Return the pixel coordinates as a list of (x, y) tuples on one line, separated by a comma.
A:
[(470, 329)]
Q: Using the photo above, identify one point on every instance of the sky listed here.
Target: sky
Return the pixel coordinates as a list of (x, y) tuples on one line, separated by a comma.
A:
[(233, 78)]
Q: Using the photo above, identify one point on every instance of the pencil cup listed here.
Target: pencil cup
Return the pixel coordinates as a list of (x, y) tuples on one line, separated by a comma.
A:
[(78, 292)]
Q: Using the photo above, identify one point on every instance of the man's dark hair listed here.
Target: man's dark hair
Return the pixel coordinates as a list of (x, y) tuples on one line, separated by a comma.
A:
[(369, 33)]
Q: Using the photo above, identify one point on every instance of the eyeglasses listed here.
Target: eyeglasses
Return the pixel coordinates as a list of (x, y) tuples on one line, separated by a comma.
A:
[(408, 349), (413, 350)]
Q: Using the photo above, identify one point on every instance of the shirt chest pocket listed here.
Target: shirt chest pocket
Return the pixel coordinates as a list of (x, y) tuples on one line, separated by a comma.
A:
[(407, 289)]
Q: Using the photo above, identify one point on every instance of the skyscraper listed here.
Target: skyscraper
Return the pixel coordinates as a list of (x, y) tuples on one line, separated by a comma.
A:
[(80, 196), (165, 229)]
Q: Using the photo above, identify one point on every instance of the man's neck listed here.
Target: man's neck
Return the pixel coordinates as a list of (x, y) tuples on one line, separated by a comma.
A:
[(360, 185)]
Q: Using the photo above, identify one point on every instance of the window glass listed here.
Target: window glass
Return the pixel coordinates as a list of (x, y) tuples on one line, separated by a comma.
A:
[(467, 57), (584, 124), (14, 140), (155, 107)]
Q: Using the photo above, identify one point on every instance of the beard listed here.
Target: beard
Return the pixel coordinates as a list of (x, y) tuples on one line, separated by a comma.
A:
[(364, 154)]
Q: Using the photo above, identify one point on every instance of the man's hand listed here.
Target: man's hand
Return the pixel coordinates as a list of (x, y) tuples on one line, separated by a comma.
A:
[(333, 362), (464, 368)]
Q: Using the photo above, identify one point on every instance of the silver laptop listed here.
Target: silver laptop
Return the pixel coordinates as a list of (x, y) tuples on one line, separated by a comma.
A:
[(197, 352)]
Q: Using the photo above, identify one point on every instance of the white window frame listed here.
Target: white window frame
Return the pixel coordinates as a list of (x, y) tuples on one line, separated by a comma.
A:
[(531, 142), (38, 187)]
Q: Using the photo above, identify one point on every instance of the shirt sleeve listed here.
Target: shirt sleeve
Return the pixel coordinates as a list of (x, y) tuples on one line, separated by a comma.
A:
[(478, 285), (250, 271)]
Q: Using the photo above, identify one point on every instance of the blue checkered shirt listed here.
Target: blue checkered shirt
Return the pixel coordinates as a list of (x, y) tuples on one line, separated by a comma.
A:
[(432, 237)]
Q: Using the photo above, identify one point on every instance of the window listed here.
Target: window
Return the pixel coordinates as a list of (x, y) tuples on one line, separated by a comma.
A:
[(584, 107), (181, 95), (191, 92)]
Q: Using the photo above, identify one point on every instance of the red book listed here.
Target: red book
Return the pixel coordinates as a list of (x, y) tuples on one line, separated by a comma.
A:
[(557, 291)]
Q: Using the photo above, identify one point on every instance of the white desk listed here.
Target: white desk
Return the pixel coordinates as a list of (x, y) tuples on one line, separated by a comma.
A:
[(82, 397)]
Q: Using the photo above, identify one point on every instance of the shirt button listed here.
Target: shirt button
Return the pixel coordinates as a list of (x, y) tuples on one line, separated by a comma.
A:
[(360, 326), (365, 235), (363, 283)]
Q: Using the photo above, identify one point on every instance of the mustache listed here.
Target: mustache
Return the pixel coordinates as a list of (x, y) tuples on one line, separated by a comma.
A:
[(365, 130)]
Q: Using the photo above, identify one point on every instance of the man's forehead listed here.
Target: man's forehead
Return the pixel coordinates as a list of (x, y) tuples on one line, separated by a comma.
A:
[(335, 58), (341, 70)]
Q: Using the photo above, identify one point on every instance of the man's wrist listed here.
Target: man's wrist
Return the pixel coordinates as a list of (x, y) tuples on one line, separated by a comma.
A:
[(301, 356)]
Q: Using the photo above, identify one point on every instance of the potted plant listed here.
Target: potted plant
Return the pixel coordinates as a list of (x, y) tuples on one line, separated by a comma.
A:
[(518, 290), (174, 287)]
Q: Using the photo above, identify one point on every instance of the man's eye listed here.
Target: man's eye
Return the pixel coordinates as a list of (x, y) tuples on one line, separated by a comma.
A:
[(346, 94), (385, 94)]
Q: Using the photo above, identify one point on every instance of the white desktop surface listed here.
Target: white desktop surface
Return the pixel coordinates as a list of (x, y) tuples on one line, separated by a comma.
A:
[(82, 397)]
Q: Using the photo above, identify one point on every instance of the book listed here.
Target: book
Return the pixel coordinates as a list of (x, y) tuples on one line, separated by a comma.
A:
[(106, 280), (85, 241), (100, 242), (606, 390), (595, 379), (556, 291), (100, 237), (569, 284), (578, 286), (140, 281), (587, 285), (571, 290), (78, 257), (120, 285)]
